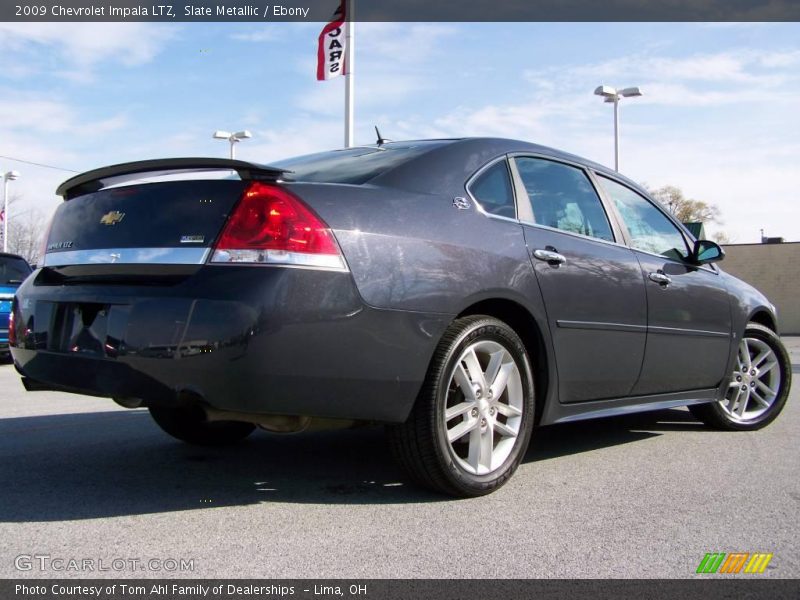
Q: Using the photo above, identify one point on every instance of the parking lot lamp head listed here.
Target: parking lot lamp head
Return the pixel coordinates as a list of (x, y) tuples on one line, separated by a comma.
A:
[(233, 138)]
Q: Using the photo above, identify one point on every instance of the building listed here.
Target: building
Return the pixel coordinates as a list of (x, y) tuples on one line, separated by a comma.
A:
[(774, 268)]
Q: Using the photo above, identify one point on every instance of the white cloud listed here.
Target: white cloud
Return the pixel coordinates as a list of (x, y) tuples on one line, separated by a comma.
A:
[(677, 94), (268, 32), (376, 90), (297, 137), (29, 113), (401, 43), (751, 74), (82, 46)]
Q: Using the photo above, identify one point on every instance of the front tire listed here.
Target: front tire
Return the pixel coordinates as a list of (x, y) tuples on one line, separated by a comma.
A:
[(472, 421), (759, 384), (189, 424)]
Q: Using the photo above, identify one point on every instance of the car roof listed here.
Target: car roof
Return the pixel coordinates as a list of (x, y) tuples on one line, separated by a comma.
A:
[(9, 255), (453, 161)]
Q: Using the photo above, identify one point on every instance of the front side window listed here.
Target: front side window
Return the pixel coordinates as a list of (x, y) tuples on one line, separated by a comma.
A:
[(649, 228), (493, 190), (562, 197)]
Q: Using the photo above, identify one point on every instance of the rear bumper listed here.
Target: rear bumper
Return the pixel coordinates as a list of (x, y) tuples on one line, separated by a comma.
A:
[(246, 339)]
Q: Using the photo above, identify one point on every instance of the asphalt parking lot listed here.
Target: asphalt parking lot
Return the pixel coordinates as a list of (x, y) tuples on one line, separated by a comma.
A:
[(640, 496)]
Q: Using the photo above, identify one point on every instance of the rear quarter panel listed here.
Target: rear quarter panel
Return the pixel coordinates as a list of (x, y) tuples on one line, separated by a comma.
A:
[(418, 252)]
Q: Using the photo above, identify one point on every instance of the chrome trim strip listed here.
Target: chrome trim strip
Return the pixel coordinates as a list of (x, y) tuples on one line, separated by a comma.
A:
[(550, 157), (599, 325), (708, 268), (128, 256), (577, 235), (334, 262), (638, 328), (169, 175), (681, 331)]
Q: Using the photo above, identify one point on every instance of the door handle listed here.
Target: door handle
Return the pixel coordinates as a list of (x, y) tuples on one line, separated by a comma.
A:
[(551, 258), (660, 278)]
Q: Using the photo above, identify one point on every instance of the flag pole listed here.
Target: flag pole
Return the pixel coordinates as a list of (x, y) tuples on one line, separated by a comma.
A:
[(350, 55)]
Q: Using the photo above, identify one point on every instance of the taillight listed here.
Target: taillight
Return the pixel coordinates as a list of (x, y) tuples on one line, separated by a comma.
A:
[(271, 225), (12, 332)]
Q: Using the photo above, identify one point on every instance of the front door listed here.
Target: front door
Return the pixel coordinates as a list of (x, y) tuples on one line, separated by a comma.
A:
[(689, 313)]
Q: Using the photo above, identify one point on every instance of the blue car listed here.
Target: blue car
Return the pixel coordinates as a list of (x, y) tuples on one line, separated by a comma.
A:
[(13, 270)]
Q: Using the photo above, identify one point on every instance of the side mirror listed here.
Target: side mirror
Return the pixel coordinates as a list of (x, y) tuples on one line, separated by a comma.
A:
[(706, 251)]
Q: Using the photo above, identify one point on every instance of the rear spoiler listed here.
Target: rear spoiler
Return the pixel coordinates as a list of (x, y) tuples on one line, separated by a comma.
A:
[(94, 181)]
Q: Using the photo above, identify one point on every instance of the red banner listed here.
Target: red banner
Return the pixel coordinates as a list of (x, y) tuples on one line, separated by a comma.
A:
[(332, 46)]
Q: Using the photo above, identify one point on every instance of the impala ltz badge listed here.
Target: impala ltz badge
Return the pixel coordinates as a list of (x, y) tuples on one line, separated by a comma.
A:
[(192, 239), (59, 246), (112, 218)]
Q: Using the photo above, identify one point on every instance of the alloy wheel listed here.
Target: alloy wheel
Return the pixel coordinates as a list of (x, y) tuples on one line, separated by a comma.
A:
[(755, 382), (484, 407)]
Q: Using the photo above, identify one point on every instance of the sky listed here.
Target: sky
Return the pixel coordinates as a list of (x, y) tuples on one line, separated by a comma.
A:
[(720, 115)]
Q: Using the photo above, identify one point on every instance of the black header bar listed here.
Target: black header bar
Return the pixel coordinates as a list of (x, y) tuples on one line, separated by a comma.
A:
[(402, 10)]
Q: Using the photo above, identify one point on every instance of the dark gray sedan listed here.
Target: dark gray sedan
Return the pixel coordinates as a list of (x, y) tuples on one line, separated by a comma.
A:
[(461, 291)]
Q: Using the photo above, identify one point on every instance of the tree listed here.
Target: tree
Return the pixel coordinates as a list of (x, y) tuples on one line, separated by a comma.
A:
[(688, 210), (25, 232)]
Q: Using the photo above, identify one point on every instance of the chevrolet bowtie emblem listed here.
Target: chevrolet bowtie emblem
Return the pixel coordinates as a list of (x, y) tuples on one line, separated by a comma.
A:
[(112, 218)]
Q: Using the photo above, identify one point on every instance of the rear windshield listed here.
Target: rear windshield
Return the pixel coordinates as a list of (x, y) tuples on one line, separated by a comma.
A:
[(13, 270), (352, 165)]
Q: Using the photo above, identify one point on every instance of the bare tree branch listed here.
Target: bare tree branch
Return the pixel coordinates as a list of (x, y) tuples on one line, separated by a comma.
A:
[(25, 233)]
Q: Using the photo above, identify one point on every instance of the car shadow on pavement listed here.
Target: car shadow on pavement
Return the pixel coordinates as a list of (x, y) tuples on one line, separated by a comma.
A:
[(584, 436), (114, 463)]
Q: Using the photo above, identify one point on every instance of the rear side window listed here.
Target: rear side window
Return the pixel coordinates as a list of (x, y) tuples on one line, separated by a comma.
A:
[(493, 190), (649, 228), (13, 270), (562, 197)]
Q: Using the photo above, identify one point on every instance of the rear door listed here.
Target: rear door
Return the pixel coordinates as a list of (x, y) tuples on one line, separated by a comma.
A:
[(592, 286), (689, 313)]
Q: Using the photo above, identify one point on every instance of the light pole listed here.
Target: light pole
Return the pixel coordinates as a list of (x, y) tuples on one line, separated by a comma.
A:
[(8, 176), (233, 138), (613, 95)]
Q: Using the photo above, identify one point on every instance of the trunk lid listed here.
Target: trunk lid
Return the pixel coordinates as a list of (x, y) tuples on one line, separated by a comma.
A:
[(172, 222), (115, 218)]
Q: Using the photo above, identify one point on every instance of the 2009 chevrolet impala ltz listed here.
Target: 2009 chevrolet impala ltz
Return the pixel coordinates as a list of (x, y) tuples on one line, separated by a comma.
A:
[(461, 291)]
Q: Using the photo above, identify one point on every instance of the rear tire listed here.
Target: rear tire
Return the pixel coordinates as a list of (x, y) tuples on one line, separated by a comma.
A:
[(759, 384), (189, 424), (472, 421)]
